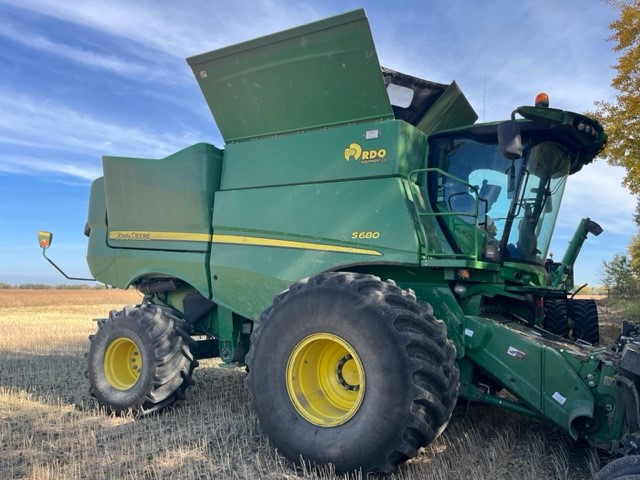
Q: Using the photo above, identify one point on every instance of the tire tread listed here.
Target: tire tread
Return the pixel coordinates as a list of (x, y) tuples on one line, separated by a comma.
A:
[(556, 319), (431, 355), (172, 364), (584, 314)]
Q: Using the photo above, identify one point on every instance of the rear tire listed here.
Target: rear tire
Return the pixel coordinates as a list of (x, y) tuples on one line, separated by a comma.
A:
[(623, 468), (584, 314), (556, 319), (140, 360), (349, 370)]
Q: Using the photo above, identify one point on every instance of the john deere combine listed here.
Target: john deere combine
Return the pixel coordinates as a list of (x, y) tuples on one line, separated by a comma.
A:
[(366, 249)]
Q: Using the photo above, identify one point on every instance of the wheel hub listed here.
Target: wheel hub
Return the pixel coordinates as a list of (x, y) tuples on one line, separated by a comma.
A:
[(122, 363), (350, 372), (325, 380)]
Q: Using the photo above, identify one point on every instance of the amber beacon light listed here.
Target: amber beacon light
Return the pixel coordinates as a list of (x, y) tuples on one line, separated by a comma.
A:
[(542, 100)]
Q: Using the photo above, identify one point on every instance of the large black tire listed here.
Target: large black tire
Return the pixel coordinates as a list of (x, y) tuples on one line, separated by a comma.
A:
[(623, 468), (584, 314), (556, 319), (348, 370), (140, 360)]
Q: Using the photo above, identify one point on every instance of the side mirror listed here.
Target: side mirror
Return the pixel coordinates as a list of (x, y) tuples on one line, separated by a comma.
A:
[(45, 239), (510, 140)]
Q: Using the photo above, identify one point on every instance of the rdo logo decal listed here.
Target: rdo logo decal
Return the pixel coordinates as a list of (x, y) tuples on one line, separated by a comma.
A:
[(355, 152)]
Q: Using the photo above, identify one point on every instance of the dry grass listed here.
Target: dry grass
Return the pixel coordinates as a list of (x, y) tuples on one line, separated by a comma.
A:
[(54, 321), (51, 429), (18, 298)]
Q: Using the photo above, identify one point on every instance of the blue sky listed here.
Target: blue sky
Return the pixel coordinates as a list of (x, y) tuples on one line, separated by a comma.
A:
[(79, 80)]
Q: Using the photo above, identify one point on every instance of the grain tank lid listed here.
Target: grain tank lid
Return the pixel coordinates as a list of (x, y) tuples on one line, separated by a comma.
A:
[(320, 74), (427, 105), (411, 97)]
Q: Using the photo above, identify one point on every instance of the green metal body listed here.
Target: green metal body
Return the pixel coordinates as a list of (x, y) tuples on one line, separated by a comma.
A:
[(322, 172)]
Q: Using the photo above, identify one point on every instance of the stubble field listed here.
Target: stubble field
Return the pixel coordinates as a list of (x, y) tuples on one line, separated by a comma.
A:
[(50, 428)]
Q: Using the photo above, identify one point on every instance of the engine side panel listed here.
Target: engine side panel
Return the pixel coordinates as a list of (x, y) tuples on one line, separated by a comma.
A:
[(267, 238)]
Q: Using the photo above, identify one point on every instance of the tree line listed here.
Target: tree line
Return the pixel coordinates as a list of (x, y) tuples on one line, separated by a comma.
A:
[(43, 286), (621, 120)]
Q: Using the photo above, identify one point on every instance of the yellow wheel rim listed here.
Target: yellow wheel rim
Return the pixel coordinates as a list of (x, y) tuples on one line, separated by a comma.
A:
[(325, 380), (122, 363)]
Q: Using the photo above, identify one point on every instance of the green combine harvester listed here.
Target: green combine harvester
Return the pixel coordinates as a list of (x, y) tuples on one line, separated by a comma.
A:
[(367, 250)]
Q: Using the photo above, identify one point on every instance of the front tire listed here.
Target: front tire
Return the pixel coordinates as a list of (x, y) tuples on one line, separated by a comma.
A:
[(140, 360), (349, 370), (584, 314), (556, 319)]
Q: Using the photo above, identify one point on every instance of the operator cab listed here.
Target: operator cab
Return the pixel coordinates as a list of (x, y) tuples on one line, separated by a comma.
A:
[(494, 208)]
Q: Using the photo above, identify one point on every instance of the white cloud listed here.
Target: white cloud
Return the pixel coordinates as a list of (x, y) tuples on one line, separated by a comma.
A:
[(39, 136), (490, 59), (596, 192), (83, 57), (176, 28), (503, 53), (37, 166), (41, 123)]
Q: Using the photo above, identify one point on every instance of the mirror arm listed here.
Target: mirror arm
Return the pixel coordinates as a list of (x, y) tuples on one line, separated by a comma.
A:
[(44, 254)]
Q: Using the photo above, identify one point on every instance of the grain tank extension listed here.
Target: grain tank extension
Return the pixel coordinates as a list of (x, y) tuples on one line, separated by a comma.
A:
[(368, 250)]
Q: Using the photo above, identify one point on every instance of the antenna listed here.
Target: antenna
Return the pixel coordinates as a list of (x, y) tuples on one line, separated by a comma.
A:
[(484, 99)]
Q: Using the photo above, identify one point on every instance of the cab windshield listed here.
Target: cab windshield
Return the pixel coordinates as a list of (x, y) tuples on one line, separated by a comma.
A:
[(492, 208)]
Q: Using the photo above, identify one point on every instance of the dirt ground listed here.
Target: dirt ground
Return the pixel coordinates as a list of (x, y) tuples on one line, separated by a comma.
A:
[(50, 428)]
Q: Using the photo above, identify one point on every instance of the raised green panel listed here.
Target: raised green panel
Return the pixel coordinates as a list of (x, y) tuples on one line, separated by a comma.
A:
[(320, 74), (326, 155), (162, 203)]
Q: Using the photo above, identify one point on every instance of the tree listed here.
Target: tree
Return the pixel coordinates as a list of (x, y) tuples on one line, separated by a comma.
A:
[(621, 118), (636, 214), (634, 246), (634, 252), (618, 276)]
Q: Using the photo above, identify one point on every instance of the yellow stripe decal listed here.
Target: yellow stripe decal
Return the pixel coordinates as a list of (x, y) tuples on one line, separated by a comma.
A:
[(137, 235), (144, 236), (271, 242)]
